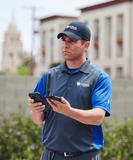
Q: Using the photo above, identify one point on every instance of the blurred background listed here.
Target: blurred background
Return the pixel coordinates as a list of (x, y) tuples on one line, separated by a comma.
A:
[(20, 26), (29, 46)]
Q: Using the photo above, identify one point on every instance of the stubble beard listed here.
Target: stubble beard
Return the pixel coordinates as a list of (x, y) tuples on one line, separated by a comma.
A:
[(72, 58)]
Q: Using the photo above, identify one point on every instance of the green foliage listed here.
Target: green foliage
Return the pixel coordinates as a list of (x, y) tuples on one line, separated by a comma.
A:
[(25, 60), (118, 139), (23, 70), (21, 139), (54, 64), (7, 72)]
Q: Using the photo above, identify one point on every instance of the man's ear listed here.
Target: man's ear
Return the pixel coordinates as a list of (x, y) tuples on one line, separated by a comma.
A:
[(87, 44)]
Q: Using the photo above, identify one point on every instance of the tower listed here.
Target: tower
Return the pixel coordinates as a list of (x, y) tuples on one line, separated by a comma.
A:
[(12, 47)]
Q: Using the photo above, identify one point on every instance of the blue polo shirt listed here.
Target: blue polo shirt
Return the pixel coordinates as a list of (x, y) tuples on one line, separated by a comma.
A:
[(84, 88)]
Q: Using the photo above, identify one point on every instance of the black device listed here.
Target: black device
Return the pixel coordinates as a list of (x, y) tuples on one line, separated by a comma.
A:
[(48, 89), (38, 98)]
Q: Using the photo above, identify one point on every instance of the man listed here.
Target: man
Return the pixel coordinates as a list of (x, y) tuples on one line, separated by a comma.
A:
[(72, 128)]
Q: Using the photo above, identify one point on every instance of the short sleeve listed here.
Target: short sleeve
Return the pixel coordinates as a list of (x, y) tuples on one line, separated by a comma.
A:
[(101, 97), (41, 87)]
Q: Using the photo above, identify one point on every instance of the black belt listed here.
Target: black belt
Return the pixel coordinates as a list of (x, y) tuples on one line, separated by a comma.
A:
[(65, 154)]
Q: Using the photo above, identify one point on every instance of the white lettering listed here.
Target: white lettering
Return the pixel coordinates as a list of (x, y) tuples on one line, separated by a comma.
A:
[(72, 27), (82, 84)]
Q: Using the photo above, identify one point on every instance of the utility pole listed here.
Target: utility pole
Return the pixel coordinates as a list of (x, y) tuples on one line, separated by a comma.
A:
[(33, 40), (32, 61)]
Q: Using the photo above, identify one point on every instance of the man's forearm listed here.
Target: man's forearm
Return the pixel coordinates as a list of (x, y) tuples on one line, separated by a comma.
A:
[(37, 117), (89, 117)]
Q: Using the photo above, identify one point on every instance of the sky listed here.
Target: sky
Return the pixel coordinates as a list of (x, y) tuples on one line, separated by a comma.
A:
[(21, 10)]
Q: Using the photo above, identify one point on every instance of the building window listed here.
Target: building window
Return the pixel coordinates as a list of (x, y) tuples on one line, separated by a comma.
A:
[(17, 39), (43, 47), (107, 70), (11, 54), (96, 38), (108, 33), (119, 35), (52, 37), (119, 72), (12, 38), (88, 25), (52, 57)]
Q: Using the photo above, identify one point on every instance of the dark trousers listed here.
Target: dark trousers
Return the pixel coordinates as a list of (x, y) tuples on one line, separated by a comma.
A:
[(51, 155)]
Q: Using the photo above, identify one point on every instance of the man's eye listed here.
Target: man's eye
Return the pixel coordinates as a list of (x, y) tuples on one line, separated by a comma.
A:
[(71, 41), (67, 41)]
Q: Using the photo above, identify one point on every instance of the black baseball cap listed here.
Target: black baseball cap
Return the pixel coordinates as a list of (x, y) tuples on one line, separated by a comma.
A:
[(76, 31)]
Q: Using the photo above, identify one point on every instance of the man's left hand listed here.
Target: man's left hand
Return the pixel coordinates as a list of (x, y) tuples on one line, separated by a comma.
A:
[(63, 108)]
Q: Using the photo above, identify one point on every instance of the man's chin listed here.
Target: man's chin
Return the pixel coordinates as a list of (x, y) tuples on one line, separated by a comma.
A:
[(67, 58)]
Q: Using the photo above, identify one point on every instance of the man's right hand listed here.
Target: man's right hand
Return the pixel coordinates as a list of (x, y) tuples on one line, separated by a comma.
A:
[(36, 107)]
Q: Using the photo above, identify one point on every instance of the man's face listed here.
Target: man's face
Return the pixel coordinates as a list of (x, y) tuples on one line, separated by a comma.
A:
[(72, 50)]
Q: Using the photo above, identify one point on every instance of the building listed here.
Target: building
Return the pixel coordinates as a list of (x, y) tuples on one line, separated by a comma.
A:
[(111, 25), (50, 47), (12, 47), (111, 49)]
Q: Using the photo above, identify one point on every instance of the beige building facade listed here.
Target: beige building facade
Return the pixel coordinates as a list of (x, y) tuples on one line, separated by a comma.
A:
[(12, 47), (50, 46), (111, 48), (111, 25)]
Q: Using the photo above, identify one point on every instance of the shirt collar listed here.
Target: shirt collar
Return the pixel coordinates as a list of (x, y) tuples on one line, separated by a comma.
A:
[(85, 68), (63, 67)]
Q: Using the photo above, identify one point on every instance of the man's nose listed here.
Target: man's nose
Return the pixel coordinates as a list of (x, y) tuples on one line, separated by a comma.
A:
[(65, 44)]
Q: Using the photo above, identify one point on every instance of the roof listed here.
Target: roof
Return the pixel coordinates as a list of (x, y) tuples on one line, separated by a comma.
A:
[(55, 17), (102, 5)]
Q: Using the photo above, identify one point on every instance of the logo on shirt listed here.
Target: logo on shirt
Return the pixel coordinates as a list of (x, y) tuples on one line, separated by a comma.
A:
[(72, 27), (82, 84)]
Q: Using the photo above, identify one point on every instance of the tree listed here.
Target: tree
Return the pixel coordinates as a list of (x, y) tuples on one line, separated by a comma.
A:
[(27, 66), (54, 64)]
